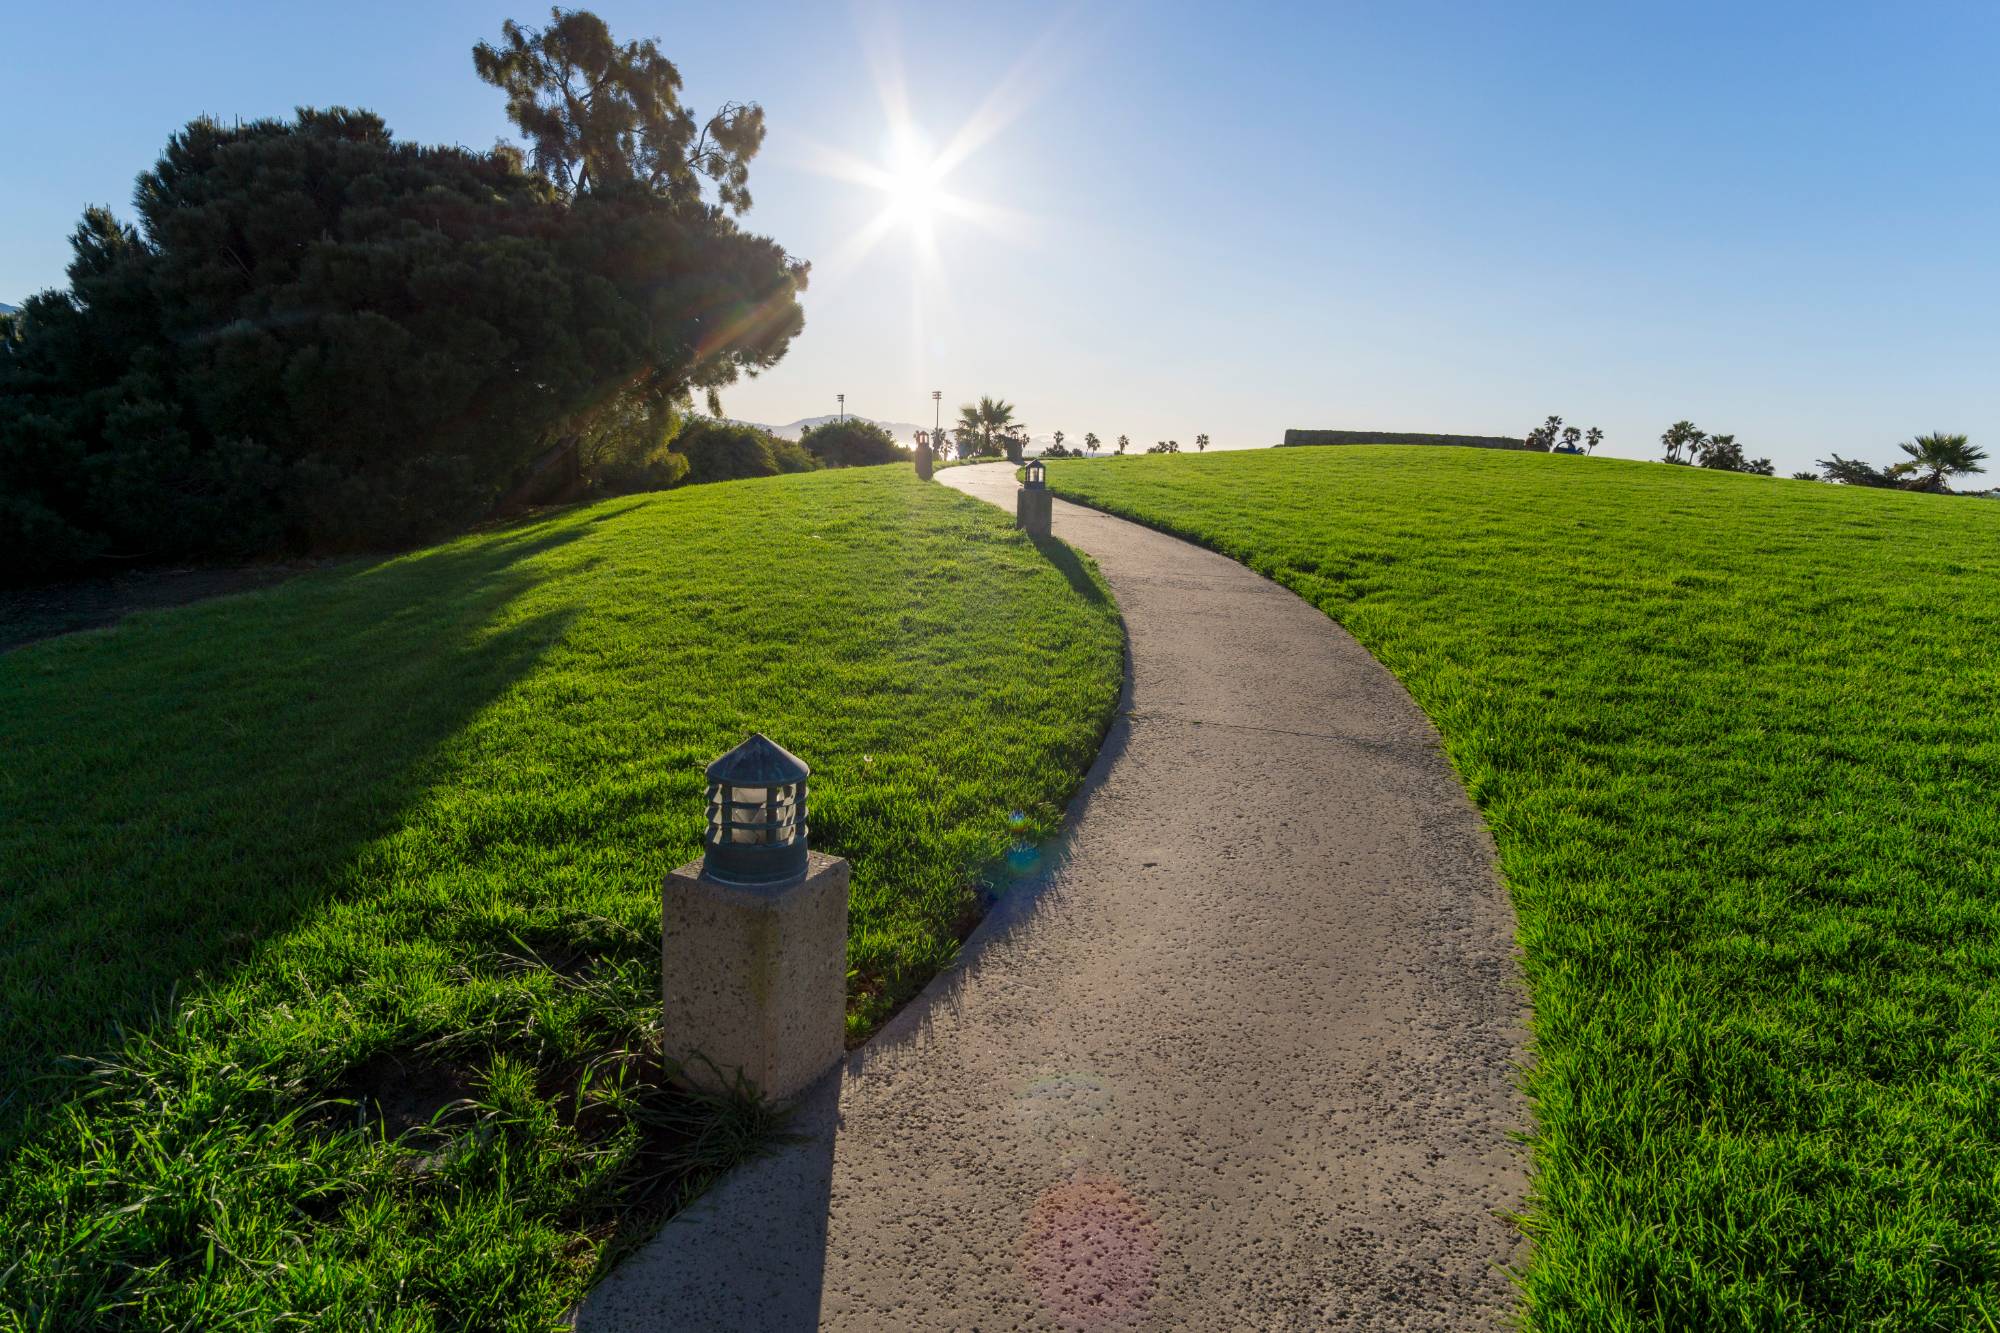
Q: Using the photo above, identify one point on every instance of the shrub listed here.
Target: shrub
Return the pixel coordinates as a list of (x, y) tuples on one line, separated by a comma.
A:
[(727, 451), (791, 456), (851, 443)]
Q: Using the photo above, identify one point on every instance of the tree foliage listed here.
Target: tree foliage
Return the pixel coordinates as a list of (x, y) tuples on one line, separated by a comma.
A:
[(1855, 472), (984, 426), (731, 451), (600, 116), (1680, 440), (1935, 458), (851, 443), (317, 337), (1930, 462), (1686, 443)]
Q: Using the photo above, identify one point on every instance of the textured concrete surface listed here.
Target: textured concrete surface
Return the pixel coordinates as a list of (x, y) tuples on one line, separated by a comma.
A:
[(1240, 1055), (754, 978)]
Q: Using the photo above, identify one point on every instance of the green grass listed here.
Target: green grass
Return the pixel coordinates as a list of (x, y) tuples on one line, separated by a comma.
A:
[(1739, 742), (297, 870)]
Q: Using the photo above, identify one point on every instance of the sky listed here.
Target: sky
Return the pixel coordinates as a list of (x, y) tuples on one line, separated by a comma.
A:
[(1778, 220)]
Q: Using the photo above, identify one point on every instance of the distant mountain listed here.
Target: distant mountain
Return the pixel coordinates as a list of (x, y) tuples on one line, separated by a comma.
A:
[(6, 309), (905, 432)]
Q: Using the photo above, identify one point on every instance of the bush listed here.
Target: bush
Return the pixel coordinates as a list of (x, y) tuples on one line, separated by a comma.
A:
[(851, 443), (320, 338), (790, 456), (728, 451), (657, 469)]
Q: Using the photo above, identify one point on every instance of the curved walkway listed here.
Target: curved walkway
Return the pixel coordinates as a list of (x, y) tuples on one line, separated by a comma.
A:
[(1241, 1057)]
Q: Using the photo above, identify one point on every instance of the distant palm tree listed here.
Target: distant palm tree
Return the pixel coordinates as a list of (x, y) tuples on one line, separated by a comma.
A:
[(971, 435), (1058, 449), (1090, 442), (1682, 435), (1200, 443), (990, 419), (1124, 442), (1936, 457), (1591, 439)]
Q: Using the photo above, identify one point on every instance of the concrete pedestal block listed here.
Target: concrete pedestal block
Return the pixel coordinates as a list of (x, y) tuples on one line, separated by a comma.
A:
[(923, 465), (755, 976), (1032, 509)]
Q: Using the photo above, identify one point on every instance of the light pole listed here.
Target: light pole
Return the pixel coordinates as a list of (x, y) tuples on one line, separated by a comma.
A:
[(937, 411), (843, 405)]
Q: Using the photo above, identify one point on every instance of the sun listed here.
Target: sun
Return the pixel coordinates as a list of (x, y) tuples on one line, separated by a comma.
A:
[(912, 179), (914, 192)]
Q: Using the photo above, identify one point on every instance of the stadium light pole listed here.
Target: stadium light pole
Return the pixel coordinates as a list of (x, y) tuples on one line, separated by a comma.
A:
[(843, 405)]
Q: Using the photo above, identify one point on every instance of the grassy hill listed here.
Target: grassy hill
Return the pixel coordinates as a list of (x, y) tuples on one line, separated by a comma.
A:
[(349, 890), (1739, 742)]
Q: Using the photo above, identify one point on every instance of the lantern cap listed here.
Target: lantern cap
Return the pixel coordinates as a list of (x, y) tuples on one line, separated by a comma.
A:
[(759, 762)]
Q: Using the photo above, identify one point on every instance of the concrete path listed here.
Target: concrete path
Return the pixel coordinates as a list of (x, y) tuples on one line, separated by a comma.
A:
[(1241, 1057)]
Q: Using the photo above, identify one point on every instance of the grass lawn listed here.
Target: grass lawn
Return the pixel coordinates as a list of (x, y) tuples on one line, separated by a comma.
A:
[(348, 889), (1739, 741)]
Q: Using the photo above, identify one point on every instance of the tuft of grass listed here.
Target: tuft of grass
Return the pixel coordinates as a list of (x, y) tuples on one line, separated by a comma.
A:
[(329, 950), (1738, 742)]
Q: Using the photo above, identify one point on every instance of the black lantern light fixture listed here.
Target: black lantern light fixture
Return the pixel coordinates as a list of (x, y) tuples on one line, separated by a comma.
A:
[(756, 814), (1035, 473)]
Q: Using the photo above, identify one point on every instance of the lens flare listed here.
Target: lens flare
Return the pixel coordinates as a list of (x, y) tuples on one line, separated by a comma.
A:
[(1090, 1252)]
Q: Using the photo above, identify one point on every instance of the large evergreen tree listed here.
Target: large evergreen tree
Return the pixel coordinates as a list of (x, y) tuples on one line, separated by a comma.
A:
[(317, 337)]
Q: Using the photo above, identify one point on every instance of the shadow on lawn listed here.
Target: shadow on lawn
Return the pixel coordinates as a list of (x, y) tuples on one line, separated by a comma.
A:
[(192, 783), (1071, 567)]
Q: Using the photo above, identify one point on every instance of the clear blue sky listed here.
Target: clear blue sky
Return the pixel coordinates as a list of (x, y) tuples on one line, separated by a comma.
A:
[(1781, 220)]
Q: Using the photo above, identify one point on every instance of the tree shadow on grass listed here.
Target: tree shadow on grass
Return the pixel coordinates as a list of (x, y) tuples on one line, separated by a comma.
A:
[(1071, 567), (191, 783)]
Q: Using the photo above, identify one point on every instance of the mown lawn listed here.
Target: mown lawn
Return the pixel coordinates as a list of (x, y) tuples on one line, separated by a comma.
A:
[(346, 892), (1739, 741)]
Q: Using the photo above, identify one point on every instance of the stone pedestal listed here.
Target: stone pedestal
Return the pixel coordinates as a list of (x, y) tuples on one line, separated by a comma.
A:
[(1032, 509), (755, 976), (923, 463)]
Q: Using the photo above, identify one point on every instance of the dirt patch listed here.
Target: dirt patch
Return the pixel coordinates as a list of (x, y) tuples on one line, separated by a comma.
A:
[(28, 615), (406, 1094)]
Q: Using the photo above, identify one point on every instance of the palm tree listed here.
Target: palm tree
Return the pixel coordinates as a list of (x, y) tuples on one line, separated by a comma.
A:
[(969, 431), (1200, 443), (1591, 439), (1090, 442), (1057, 451), (1937, 456), (991, 419), (1682, 435), (1124, 442)]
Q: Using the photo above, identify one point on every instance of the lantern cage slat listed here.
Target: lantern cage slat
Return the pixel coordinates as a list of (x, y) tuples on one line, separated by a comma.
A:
[(757, 815)]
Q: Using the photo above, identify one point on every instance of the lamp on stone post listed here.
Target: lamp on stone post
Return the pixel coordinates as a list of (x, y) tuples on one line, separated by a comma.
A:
[(753, 939), (923, 456), (1033, 503)]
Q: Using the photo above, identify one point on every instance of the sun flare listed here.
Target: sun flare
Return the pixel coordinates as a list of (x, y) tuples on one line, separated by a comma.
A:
[(913, 185)]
